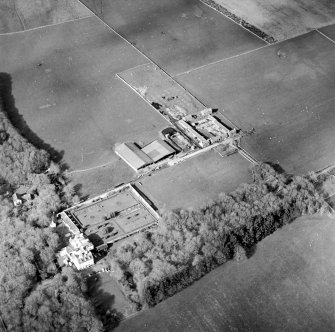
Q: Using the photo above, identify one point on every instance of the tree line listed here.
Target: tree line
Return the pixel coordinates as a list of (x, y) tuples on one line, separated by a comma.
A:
[(18, 158), (34, 294), (189, 243)]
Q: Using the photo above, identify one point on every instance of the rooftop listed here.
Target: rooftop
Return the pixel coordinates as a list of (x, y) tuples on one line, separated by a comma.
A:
[(133, 155), (158, 150)]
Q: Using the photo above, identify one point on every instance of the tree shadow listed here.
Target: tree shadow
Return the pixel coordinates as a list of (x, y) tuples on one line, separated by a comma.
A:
[(103, 303), (77, 189), (250, 251), (278, 168), (19, 122)]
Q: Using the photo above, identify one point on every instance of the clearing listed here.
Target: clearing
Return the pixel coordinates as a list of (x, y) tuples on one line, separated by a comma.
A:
[(283, 19), (106, 295), (196, 181), (178, 35), (18, 15), (286, 92), (287, 285)]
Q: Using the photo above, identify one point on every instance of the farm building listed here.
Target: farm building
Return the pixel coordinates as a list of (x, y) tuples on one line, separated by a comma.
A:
[(194, 135), (133, 155), (203, 128), (158, 150)]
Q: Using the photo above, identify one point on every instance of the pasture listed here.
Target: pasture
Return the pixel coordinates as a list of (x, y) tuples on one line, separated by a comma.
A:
[(67, 97), (178, 35), (196, 181), (287, 285), (285, 92), (18, 15), (283, 19)]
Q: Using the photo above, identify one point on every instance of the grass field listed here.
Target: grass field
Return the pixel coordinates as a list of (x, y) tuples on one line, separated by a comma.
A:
[(284, 91), (196, 181), (65, 89), (287, 285), (283, 19), (18, 15), (176, 34)]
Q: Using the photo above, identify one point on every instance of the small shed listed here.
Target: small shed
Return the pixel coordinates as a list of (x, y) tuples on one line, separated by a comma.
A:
[(17, 199)]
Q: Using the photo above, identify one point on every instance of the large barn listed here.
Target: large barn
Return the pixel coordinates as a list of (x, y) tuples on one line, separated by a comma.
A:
[(133, 155)]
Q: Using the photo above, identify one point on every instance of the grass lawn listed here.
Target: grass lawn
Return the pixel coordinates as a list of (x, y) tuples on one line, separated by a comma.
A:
[(67, 96), (196, 181), (176, 34), (284, 91), (287, 285), (106, 293), (283, 19), (18, 15)]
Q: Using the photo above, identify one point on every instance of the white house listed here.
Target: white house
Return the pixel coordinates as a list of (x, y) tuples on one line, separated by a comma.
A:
[(77, 253)]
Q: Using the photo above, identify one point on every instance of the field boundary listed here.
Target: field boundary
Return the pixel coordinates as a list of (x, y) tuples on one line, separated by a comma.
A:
[(133, 89), (324, 35), (221, 60), (45, 26), (239, 21)]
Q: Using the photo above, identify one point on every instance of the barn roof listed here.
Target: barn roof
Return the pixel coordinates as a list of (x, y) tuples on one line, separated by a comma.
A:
[(133, 155), (158, 150)]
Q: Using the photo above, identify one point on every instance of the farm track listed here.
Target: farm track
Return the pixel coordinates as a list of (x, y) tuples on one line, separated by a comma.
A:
[(44, 26)]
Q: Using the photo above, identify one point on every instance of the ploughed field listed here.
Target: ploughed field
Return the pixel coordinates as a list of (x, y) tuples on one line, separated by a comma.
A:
[(285, 92), (287, 285), (18, 15), (178, 35), (65, 90), (283, 19), (196, 181)]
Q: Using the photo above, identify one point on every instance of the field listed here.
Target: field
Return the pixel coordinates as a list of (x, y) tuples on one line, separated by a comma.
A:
[(287, 285), (196, 181), (18, 15), (68, 98), (178, 35), (283, 19), (285, 92)]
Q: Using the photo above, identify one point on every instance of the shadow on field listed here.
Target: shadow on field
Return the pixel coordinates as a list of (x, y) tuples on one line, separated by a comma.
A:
[(19, 122), (103, 303), (276, 167), (78, 190)]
